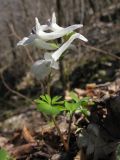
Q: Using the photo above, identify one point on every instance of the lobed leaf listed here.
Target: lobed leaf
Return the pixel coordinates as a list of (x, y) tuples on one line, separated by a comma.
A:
[(43, 98), (71, 107), (46, 98), (56, 99), (48, 109)]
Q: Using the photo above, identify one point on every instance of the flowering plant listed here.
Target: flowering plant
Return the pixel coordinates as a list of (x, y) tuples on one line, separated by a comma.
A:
[(42, 68)]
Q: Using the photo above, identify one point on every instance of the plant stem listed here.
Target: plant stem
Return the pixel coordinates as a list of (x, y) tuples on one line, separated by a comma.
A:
[(48, 88), (69, 129), (60, 134), (47, 84), (62, 76)]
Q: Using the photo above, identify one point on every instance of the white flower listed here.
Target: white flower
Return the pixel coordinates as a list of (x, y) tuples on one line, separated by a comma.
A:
[(56, 34), (53, 26), (56, 55), (37, 41), (39, 36), (42, 68)]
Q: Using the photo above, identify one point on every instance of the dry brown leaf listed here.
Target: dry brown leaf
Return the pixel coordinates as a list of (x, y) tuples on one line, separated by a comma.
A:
[(27, 135), (80, 92), (21, 150), (90, 86), (67, 95)]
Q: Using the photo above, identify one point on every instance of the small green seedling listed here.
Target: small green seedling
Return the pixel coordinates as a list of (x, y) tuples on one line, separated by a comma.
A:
[(77, 105), (52, 107)]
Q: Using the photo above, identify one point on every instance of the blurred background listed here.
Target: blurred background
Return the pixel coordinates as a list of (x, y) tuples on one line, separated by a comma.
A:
[(94, 62), (97, 61)]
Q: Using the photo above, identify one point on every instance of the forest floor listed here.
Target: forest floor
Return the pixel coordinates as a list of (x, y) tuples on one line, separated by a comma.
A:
[(26, 133)]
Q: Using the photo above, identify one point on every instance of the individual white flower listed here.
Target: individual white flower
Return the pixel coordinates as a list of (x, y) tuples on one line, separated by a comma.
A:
[(37, 41), (42, 68), (56, 55), (38, 34), (53, 26), (56, 34)]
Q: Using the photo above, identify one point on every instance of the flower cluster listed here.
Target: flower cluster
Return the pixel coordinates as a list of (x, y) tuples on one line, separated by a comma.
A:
[(44, 39)]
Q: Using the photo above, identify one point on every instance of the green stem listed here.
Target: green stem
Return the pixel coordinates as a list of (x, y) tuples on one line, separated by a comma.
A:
[(60, 134), (42, 87), (48, 84), (69, 129), (48, 88), (62, 76)]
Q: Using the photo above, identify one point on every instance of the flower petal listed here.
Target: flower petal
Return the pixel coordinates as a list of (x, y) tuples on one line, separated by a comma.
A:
[(54, 26), (54, 65), (44, 27), (27, 40), (57, 34), (53, 18), (41, 69), (56, 55), (82, 38), (37, 25), (33, 38)]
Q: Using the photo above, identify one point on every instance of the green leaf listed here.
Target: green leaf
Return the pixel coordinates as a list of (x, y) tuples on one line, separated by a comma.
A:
[(48, 98), (54, 45), (74, 96), (56, 99), (4, 155), (43, 98), (67, 36), (71, 107), (84, 101), (48, 109), (58, 103)]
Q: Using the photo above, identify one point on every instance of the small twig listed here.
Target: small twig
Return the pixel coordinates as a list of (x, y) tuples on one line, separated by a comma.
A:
[(60, 134), (3, 69), (13, 91), (82, 11), (18, 37), (102, 51)]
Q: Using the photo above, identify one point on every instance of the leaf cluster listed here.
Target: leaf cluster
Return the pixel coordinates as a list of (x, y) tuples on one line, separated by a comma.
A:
[(54, 106), (77, 105), (50, 106)]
